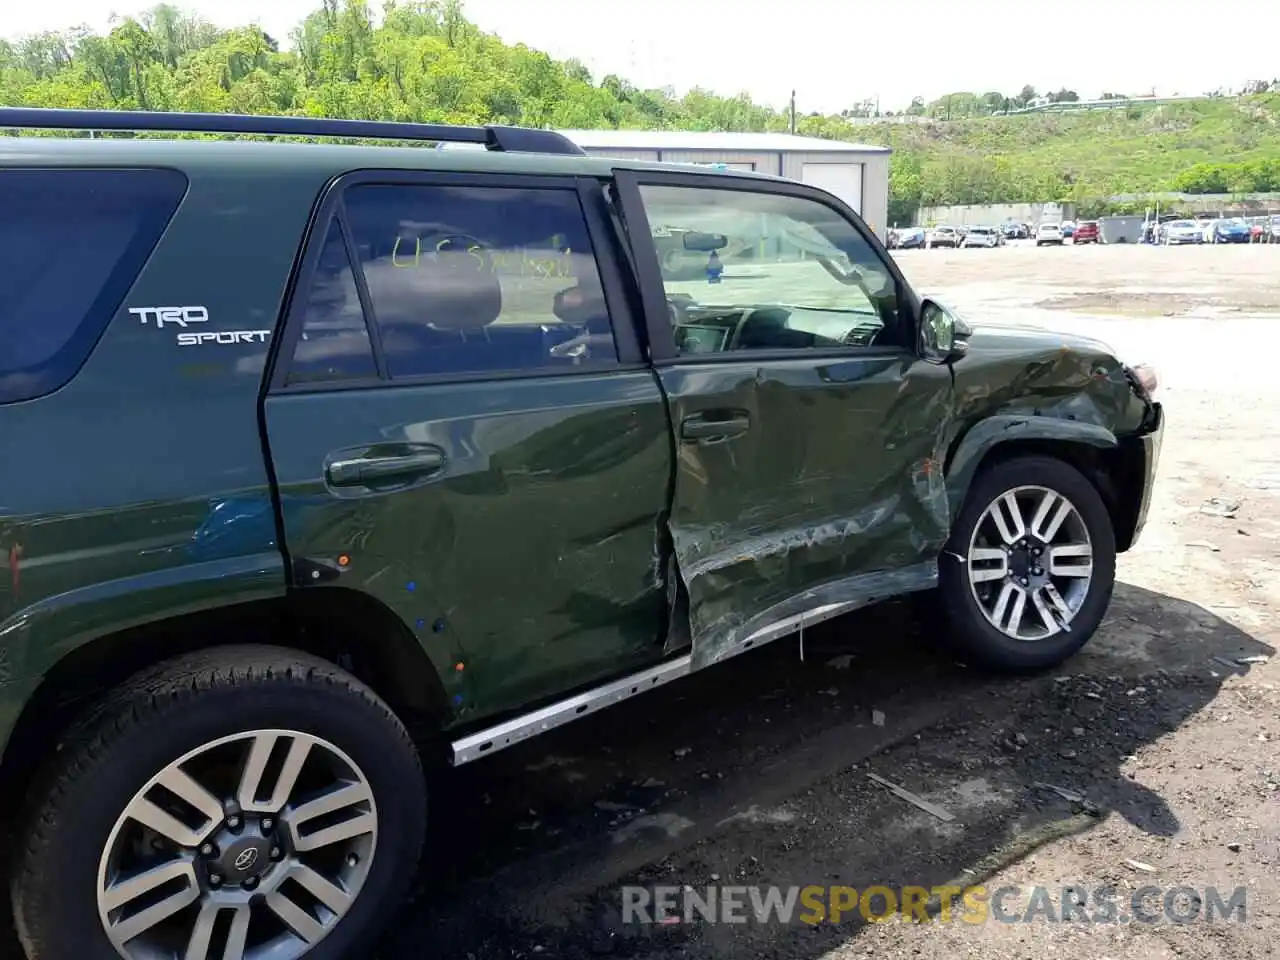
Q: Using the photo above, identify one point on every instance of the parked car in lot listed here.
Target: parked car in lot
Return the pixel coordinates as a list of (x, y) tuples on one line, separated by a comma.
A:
[(1014, 231), (321, 453), (1086, 232), (1049, 234), (1068, 228), (942, 237), (1177, 232), (981, 237), (907, 238), (1230, 230)]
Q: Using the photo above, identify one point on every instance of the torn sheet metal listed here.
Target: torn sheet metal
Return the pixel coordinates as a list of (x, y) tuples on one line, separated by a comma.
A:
[(843, 489), (833, 499)]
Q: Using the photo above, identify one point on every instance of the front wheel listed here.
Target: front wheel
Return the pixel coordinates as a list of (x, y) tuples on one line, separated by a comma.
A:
[(240, 803), (1028, 572)]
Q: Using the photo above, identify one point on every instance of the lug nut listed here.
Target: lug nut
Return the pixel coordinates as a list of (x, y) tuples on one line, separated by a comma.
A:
[(233, 822), (268, 823), (215, 880), (276, 853), (250, 883), (1023, 581), (208, 850), (352, 860)]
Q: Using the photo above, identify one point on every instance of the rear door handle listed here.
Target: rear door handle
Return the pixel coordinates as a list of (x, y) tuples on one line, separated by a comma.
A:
[(363, 471), (700, 427)]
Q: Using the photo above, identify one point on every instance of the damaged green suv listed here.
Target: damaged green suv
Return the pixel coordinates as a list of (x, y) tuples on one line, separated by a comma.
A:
[(317, 453)]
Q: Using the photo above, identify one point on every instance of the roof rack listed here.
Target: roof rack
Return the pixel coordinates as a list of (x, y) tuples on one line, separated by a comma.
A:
[(499, 138)]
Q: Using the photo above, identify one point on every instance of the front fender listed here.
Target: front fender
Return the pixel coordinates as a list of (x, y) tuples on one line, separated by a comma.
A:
[(989, 433)]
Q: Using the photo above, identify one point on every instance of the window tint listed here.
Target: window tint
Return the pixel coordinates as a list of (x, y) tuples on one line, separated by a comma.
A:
[(762, 271), (479, 279), (334, 343), (71, 245)]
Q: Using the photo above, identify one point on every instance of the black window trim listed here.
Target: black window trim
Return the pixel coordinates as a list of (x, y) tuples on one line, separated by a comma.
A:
[(608, 264), (662, 347)]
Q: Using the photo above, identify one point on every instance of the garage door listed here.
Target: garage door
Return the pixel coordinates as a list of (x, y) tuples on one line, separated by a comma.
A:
[(842, 179)]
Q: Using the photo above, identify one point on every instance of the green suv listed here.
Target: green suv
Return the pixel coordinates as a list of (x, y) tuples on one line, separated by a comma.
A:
[(318, 453)]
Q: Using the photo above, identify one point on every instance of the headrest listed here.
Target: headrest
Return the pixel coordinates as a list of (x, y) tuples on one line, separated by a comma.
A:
[(447, 281)]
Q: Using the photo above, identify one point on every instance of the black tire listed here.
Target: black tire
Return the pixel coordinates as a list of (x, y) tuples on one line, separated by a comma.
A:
[(969, 628), (162, 714)]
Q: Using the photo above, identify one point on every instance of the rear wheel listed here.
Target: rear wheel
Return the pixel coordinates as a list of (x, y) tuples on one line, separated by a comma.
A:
[(1029, 570), (238, 804)]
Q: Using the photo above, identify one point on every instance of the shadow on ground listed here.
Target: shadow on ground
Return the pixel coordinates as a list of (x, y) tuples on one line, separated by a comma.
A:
[(755, 773)]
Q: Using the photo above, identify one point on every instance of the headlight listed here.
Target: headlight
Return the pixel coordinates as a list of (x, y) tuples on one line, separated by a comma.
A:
[(1144, 375)]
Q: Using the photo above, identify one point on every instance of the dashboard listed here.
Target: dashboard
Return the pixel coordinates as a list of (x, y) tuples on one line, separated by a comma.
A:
[(704, 328)]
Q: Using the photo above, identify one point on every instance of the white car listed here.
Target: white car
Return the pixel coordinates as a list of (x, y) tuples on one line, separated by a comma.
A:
[(942, 237), (1049, 233), (981, 237), (1182, 231)]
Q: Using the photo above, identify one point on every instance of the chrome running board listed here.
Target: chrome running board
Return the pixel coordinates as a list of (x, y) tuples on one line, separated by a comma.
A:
[(491, 740), (522, 728)]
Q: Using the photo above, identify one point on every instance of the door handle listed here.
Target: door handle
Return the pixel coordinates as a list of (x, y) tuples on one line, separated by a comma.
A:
[(699, 427), (362, 471)]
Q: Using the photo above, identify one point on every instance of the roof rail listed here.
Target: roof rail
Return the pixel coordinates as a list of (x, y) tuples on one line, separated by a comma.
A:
[(500, 138)]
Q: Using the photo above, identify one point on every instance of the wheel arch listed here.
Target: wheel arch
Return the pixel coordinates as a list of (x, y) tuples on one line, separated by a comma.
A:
[(345, 627), (1107, 462)]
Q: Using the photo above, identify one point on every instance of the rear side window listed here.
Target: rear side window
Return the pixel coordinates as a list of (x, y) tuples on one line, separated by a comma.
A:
[(71, 245), (475, 280)]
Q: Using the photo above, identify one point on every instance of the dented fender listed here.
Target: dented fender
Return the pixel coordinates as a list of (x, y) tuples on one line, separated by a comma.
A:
[(993, 431)]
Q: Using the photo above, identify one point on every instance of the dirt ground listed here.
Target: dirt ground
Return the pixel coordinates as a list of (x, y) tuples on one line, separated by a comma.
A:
[(1161, 736)]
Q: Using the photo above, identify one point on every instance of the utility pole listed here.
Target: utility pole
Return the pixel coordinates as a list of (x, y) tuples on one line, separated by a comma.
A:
[(793, 111)]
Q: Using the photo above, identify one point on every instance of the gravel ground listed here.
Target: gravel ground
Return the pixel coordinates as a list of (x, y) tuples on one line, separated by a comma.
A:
[(1161, 735)]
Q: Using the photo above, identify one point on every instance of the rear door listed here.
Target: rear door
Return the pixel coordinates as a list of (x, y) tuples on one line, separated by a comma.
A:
[(810, 435), (461, 428)]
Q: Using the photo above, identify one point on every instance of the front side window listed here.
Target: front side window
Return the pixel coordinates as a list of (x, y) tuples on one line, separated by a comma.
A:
[(474, 280), (763, 271)]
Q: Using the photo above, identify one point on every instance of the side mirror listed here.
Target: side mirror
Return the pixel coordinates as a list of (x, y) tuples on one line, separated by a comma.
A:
[(944, 337)]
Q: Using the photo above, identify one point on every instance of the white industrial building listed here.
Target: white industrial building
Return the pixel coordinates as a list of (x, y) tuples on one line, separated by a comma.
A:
[(856, 173)]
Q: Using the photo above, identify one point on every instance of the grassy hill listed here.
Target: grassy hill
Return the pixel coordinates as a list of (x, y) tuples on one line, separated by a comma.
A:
[(1202, 146)]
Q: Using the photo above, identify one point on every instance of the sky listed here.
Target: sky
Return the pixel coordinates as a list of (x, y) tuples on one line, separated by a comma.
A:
[(832, 52)]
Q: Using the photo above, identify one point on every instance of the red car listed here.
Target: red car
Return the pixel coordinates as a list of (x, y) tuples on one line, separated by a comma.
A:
[(1086, 232)]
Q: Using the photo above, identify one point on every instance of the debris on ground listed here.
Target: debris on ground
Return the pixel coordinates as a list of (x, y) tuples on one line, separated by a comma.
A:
[(1204, 544), (1139, 865), (1220, 507), (841, 662), (901, 792), (877, 718)]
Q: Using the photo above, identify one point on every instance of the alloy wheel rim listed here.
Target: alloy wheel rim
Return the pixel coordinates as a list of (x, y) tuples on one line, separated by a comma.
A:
[(1030, 563), (250, 847)]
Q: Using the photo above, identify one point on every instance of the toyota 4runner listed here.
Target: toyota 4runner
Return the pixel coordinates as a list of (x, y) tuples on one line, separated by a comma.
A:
[(318, 452)]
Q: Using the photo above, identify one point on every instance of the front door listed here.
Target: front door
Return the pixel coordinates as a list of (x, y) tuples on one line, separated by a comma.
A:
[(461, 428), (810, 435)]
